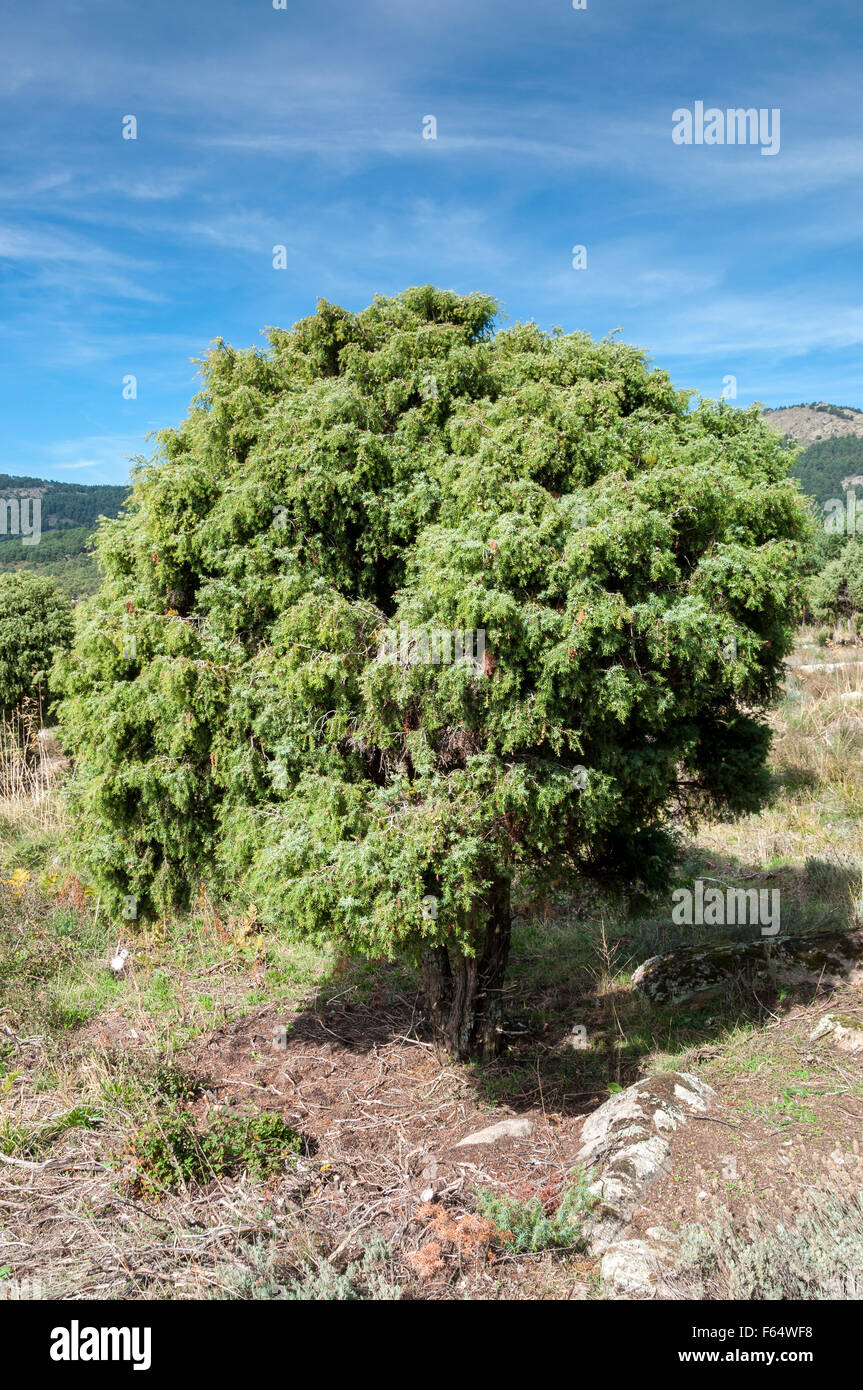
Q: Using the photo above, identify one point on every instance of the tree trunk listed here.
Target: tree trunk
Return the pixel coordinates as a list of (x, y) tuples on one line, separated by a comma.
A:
[(465, 993)]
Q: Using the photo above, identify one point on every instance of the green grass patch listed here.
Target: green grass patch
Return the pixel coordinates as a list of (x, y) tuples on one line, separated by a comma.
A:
[(170, 1151)]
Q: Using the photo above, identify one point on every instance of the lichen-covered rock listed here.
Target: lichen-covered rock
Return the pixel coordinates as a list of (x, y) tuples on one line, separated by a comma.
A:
[(625, 1142), (505, 1129), (843, 1030), (640, 1265), (825, 958)]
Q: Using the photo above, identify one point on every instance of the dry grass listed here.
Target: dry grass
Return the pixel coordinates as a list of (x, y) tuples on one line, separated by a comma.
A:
[(31, 766), (816, 812)]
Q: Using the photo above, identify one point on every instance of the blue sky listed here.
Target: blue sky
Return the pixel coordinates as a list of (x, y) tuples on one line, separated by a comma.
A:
[(303, 127)]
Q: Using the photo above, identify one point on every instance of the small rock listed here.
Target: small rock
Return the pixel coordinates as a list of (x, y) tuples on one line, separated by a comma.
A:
[(427, 1195), (660, 1233), (505, 1129), (845, 1032)]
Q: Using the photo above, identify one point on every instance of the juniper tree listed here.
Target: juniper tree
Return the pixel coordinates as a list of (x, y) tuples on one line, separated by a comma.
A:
[(254, 700), (35, 623), (836, 592)]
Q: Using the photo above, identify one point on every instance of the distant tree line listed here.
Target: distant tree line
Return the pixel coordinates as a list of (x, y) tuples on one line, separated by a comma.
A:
[(65, 506), (842, 412), (821, 468)]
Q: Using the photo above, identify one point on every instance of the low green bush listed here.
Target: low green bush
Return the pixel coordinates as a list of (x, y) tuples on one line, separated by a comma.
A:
[(836, 593), (526, 1227), (170, 1151)]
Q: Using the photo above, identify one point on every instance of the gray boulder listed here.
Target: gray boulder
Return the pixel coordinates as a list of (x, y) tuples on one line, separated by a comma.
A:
[(825, 958), (640, 1266), (626, 1142)]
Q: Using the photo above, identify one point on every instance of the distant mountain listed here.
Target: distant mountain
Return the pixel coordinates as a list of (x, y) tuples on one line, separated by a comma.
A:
[(814, 423), (62, 518)]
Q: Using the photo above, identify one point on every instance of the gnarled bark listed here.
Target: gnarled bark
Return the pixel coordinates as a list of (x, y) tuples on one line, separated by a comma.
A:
[(465, 993)]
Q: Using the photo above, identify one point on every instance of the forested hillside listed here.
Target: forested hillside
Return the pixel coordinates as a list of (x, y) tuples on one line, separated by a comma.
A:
[(822, 468), (68, 516)]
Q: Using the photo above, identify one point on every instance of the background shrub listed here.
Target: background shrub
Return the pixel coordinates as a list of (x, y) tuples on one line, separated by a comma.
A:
[(35, 624)]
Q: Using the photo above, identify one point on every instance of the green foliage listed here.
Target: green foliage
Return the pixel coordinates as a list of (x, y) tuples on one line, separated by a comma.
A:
[(15, 1139), (837, 591), (83, 1116), (169, 1151), (840, 412), (35, 623), (821, 468), (526, 1227), (171, 1081), (77, 577), (64, 552), (54, 545), (21, 1141), (234, 722)]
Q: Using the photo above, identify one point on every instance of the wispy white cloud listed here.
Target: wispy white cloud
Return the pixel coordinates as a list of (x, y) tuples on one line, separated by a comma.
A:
[(104, 458), (303, 128)]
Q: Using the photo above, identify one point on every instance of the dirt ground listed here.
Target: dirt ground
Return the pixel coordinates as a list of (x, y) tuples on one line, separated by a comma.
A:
[(382, 1118)]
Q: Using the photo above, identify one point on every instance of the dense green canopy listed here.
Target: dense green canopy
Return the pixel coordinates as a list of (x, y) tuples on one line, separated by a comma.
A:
[(632, 563), (836, 592), (35, 622)]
